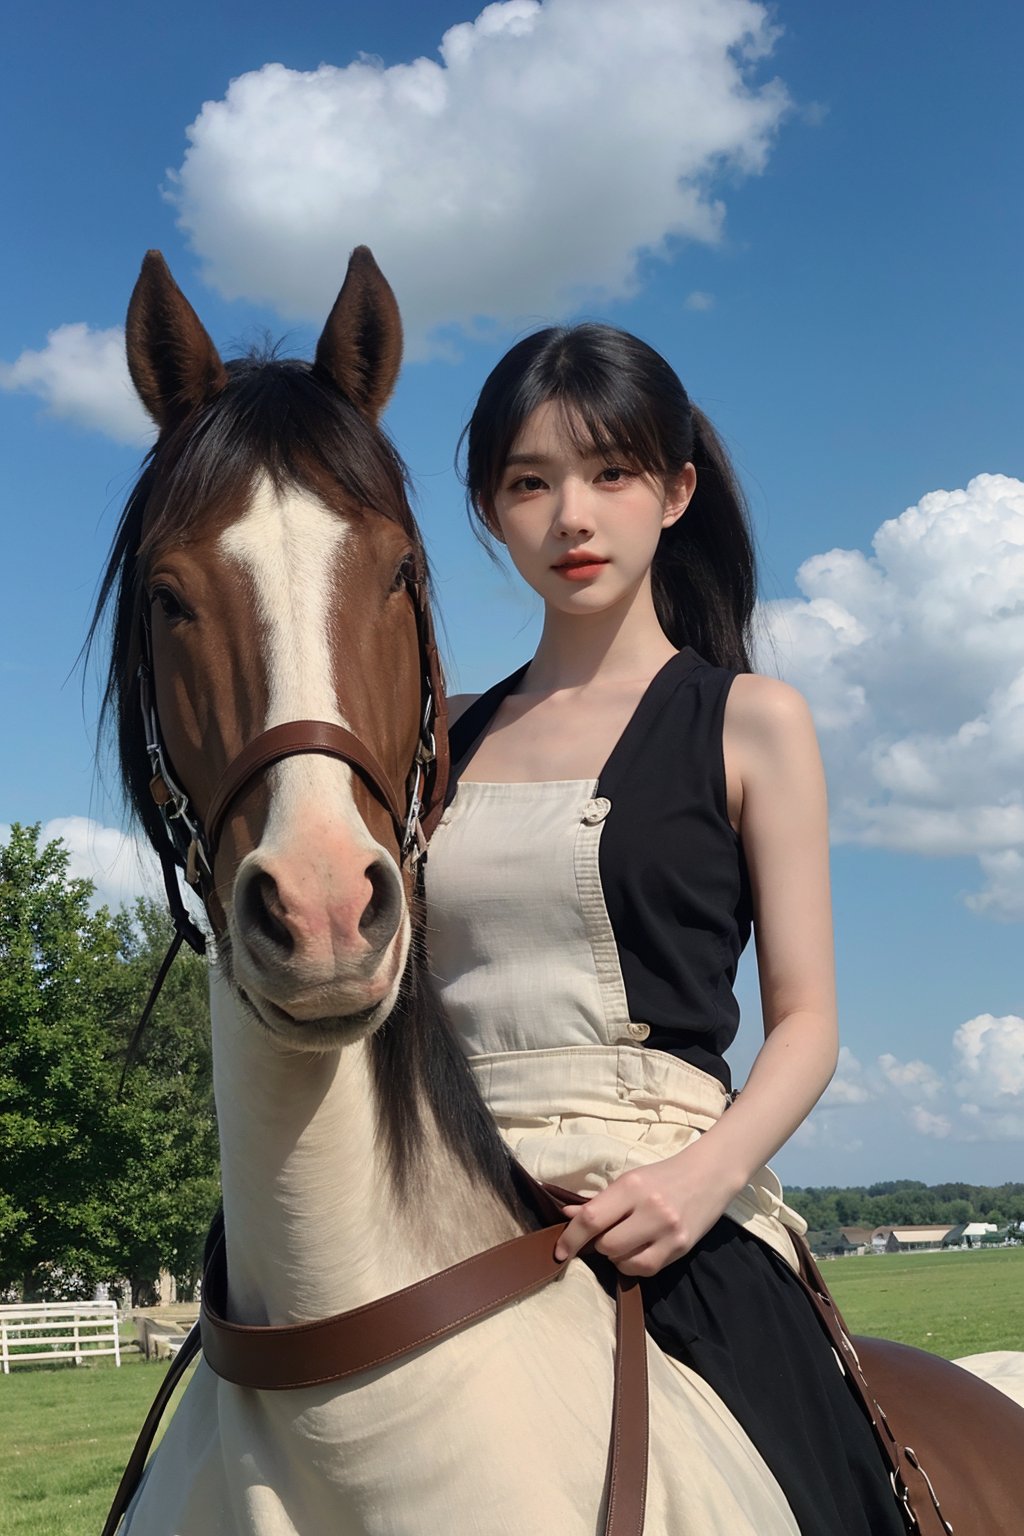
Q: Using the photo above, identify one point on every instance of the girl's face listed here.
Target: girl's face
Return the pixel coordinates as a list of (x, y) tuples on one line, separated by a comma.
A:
[(582, 529)]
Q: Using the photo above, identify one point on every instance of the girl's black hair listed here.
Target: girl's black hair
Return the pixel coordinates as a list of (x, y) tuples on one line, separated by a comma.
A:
[(620, 397)]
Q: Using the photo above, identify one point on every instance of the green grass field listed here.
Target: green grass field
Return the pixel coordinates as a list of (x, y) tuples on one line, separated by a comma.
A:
[(951, 1303), (66, 1433)]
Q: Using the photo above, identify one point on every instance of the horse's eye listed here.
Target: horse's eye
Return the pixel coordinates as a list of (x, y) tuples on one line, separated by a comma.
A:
[(405, 572), (174, 609)]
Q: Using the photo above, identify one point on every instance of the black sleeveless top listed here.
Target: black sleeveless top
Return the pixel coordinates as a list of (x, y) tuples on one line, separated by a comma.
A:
[(673, 873)]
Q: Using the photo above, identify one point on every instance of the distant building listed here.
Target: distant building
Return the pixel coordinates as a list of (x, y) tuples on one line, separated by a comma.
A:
[(908, 1239), (831, 1243), (970, 1234), (839, 1242)]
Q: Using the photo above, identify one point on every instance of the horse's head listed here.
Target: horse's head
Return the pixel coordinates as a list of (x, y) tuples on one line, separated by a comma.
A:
[(269, 583)]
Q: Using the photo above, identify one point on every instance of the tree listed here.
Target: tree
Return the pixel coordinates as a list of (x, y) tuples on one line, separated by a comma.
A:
[(849, 1207), (57, 963), (163, 1201), (95, 1184)]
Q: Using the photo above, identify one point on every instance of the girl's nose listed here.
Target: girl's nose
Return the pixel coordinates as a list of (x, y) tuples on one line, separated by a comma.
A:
[(572, 518)]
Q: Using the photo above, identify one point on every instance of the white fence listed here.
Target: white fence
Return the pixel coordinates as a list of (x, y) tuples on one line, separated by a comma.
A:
[(58, 1330)]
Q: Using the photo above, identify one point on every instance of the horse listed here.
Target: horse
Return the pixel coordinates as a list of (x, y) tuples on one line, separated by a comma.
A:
[(268, 571)]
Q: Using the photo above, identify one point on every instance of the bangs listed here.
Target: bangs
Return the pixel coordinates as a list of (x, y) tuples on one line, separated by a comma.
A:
[(616, 397), (609, 435)]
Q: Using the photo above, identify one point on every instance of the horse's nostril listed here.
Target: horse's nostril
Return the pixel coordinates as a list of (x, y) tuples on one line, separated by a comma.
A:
[(381, 913), (261, 911)]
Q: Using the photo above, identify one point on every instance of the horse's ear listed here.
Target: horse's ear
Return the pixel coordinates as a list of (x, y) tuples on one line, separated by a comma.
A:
[(173, 363), (361, 345)]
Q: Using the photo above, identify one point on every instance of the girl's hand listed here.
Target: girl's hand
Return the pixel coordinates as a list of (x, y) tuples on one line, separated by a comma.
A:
[(649, 1216)]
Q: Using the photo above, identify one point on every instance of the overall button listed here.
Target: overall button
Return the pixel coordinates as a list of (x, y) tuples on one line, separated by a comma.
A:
[(595, 811), (638, 1031)]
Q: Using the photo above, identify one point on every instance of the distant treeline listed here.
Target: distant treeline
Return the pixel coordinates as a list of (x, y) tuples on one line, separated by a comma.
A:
[(907, 1202)]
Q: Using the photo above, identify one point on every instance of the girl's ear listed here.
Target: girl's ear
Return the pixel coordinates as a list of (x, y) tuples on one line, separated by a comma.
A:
[(678, 495)]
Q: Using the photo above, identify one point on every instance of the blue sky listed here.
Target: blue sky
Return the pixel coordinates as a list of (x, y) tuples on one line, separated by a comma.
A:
[(814, 212)]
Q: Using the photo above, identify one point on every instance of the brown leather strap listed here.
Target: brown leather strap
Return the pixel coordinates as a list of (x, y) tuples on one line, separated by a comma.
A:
[(288, 740), (628, 1453), (308, 1354), (628, 1450), (136, 1462), (912, 1485), (438, 786)]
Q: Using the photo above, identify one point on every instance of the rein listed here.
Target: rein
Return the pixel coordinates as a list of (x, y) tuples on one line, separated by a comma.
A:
[(384, 1332)]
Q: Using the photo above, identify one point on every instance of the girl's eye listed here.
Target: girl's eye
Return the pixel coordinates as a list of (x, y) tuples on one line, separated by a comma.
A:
[(527, 483), (614, 474), (174, 609)]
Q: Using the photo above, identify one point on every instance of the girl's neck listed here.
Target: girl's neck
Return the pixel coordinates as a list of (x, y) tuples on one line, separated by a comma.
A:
[(622, 644)]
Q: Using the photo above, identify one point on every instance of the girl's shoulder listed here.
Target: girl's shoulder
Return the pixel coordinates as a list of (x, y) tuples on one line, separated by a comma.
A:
[(765, 706), (768, 727)]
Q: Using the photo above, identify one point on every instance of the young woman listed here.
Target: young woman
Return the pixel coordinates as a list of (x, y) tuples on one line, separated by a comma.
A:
[(628, 805)]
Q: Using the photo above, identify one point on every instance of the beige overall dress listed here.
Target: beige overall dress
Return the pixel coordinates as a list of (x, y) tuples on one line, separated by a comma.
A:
[(531, 973), (540, 1008)]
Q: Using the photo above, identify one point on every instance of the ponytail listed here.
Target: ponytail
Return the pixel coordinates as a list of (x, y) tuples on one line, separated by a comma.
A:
[(704, 576)]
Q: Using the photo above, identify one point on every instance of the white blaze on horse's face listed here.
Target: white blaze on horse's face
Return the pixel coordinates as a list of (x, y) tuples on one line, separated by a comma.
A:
[(318, 921)]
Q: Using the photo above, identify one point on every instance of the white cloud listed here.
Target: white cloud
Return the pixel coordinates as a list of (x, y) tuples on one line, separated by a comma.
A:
[(916, 1079), (913, 661), (848, 1085), (978, 1095), (82, 376), (120, 865), (990, 1059), (699, 300), (823, 1132), (522, 174), (1003, 895), (928, 1124)]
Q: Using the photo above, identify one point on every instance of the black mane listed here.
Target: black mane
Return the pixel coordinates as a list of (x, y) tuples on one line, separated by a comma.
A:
[(285, 420)]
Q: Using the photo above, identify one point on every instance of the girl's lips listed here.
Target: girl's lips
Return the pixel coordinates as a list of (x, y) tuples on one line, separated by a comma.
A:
[(579, 570)]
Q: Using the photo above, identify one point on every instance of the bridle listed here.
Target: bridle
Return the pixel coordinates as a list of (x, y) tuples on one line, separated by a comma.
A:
[(191, 840)]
